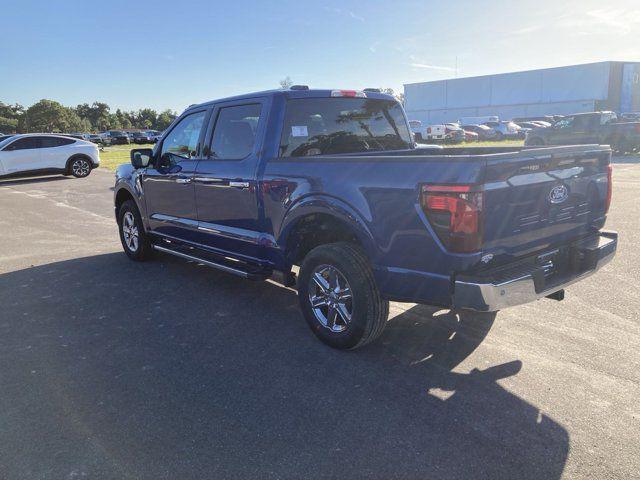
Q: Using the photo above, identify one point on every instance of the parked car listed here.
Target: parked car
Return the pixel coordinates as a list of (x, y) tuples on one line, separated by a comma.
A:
[(45, 153), (154, 136), (94, 138), (141, 137), (117, 137), (594, 127), (505, 130), (329, 181), (427, 132), (470, 136), (630, 117), (532, 125), (544, 118), (478, 120), (454, 134), (484, 132)]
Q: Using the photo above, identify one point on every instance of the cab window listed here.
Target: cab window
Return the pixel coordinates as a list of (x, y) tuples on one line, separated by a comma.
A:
[(182, 141), (234, 135)]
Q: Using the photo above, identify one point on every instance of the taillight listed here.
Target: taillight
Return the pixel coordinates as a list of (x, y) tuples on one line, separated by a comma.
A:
[(637, 127), (609, 187), (455, 213), (428, 129)]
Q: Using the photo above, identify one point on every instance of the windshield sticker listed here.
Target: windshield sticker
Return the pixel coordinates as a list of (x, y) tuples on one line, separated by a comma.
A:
[(299, 131)]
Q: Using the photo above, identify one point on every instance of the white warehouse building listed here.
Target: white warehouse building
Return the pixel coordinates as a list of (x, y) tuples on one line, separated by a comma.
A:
[(550, 91)]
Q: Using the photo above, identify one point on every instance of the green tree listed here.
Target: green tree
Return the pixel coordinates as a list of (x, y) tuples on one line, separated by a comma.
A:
[(10, 117), (146, 118), (164, 119), (49, 116)]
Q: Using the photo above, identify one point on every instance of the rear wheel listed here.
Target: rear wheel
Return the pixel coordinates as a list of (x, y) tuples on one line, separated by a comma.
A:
[(80, 167), (135, 241), (499, 136), (339, 297)]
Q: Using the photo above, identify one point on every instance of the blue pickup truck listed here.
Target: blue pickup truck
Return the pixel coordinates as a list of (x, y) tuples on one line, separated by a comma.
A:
[(327, 189)]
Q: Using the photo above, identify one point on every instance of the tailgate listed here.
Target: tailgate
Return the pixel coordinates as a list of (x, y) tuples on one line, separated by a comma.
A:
[(543, 197)]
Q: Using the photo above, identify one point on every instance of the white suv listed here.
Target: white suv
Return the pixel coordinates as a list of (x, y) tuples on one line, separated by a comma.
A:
[(40, 153)]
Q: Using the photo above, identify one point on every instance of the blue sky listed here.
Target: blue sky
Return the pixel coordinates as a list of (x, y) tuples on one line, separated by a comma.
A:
[(169, 54)]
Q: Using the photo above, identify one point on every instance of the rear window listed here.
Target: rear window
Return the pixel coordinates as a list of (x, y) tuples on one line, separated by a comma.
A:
[(328, 126), (49, 142)]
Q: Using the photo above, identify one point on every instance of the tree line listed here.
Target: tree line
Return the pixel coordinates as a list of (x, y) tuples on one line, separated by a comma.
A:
[(50, 116)]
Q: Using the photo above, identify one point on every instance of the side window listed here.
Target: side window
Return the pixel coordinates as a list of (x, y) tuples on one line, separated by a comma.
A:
[(24, 144), (234, 135), (182, 141), (581, 122), (565, 122), (48, 142)]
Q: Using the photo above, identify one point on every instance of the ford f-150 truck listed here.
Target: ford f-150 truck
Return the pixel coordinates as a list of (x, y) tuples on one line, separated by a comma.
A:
[(327, 189), (594, 127)]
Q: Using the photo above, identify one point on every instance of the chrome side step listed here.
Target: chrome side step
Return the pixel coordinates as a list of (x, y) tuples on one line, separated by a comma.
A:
[(208, 263)]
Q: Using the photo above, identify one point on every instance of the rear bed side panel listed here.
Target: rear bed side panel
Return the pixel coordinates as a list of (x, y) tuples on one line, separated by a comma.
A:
[(383, 193)]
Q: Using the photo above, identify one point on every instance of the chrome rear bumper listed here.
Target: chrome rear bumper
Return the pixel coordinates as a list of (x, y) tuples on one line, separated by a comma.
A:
[(531, 282)]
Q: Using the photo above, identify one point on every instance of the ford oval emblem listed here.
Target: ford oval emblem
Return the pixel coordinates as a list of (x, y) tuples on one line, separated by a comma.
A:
[(558, 194)]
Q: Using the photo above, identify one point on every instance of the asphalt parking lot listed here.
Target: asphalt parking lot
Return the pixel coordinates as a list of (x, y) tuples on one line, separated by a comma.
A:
[(167, 369)]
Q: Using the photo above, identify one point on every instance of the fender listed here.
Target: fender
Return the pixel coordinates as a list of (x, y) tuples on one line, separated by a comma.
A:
[(128, 178), (333, 207)]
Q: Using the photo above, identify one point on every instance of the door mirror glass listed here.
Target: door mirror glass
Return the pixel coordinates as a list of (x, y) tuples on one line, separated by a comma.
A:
[(140, 157)]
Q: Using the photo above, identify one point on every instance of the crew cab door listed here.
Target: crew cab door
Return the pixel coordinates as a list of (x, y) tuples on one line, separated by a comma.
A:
[(21, 155), (226, 187), (168, 182)]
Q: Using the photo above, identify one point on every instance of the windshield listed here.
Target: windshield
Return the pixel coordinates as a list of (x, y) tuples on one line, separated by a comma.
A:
[(325, 126)]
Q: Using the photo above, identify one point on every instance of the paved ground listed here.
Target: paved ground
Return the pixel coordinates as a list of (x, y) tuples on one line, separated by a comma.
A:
[(168, 370)]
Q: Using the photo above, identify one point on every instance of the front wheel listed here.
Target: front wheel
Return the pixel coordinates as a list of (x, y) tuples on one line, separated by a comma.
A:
[(339, 297), (80, 167), (135, 241)]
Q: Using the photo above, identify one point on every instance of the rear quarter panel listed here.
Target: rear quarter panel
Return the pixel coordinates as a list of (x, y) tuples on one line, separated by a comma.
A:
[(379, 196)]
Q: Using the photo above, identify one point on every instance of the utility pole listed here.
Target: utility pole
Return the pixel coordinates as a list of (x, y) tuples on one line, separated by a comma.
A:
[(456, 71)]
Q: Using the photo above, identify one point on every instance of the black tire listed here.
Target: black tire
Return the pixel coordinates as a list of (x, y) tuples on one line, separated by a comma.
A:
[(535, 142), (79, 167), (140, 250), (499, 136), (369, 311)]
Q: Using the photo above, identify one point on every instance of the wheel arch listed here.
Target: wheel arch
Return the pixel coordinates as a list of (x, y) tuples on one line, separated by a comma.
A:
[(317, 221), (67, 167)]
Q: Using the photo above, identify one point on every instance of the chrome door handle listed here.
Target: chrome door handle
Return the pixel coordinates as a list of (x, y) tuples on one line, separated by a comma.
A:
[(239, 184), (183, 180), (208, 180)]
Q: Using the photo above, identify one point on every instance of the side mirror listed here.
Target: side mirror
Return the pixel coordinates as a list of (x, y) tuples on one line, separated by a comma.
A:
[(140, 157)]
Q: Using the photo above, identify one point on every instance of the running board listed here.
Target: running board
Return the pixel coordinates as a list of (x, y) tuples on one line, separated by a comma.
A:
[(260, 275)]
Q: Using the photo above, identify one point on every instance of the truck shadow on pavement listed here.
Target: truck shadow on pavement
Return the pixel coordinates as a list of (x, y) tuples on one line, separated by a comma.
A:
[(166, 369)]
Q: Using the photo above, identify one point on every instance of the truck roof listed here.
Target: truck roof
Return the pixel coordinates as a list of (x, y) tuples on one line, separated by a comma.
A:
[(289, 93)]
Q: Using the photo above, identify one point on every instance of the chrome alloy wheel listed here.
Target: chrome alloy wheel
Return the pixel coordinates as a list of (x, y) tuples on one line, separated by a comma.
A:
[(330, 298), (80, 167), (130, 231)]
